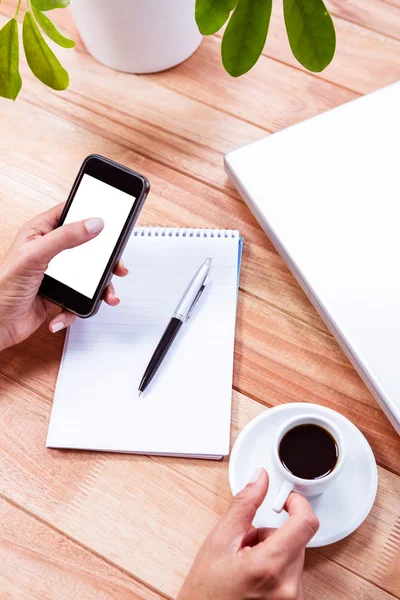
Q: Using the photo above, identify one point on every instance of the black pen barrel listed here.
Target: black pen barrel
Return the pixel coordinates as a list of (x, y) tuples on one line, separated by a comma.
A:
[(159, 353)]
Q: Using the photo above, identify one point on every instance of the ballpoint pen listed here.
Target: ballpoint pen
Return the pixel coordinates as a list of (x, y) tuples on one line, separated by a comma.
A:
[(183, 311)]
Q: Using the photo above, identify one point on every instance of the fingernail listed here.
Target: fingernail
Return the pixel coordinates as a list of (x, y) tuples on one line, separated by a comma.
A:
[(57, 326), (94, 225), (256, 475), (113, 292), (123, 265)]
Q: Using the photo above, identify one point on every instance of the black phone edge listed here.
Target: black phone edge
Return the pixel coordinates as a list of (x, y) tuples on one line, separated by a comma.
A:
[(107, 275)]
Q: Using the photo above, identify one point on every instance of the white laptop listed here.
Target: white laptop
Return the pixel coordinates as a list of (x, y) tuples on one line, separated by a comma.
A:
[(327, 193)]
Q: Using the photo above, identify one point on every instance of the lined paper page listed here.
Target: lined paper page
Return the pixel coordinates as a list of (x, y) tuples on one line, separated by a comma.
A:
[(186, 408)]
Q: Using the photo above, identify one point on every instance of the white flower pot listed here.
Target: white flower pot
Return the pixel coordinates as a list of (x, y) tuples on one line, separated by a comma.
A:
[(138, 36)]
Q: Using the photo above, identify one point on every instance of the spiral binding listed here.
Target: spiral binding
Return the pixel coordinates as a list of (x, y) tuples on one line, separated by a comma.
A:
[(182, 232)]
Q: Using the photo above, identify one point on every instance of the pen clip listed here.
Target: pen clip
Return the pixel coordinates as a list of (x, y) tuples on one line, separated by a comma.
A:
[(198, 296)]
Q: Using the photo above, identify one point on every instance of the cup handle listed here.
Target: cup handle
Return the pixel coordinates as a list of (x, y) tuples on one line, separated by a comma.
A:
[(282, 496)]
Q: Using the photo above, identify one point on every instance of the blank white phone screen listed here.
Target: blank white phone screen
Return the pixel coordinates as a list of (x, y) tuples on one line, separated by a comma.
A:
[(81, 268)]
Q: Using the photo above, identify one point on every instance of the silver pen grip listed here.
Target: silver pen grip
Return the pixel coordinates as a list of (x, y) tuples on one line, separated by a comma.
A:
[(189, 297)]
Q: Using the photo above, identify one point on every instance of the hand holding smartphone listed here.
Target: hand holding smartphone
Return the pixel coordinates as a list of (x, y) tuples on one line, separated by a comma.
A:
[(76, 278)]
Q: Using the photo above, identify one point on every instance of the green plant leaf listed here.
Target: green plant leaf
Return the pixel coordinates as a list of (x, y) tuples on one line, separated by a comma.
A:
[(212, 14), (51, 30), (245, 35), (49, 4), (10, 79), (41, 59), (311, 32)]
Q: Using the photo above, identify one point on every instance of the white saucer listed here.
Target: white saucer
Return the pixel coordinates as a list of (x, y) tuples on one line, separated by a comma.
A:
[(346, 503)]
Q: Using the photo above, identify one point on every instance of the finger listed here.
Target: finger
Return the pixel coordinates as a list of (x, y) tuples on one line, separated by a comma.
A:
[(46, 221), (66, 236), (61, 321), (121, 269), (292, 538), (110, 297), (256, 536), (236, 522)]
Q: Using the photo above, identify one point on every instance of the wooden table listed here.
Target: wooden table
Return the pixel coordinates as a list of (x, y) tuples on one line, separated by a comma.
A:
[(83, 525)]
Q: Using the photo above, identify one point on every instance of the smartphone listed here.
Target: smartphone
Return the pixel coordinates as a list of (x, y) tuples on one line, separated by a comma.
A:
[(76, 278)]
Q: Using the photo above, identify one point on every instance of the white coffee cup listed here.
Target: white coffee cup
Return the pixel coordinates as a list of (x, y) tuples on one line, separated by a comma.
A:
[(306, 487)]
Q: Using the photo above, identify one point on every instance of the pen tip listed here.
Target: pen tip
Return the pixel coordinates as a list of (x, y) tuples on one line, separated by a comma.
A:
[(208, 262), (140, 393)]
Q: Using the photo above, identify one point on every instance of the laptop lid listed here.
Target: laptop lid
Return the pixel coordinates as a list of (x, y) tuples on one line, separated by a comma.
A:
[(327, 193)]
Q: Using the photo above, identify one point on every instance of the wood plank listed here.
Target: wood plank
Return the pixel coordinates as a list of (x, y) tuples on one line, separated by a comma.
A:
[(113, 502), (379, 15), (38, 562), (272, 95), (337, 583), (364, 60), (277, 358)]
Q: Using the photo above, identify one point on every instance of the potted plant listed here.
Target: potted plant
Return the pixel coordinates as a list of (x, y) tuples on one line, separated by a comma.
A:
[(143, 36), (308, 24), (40, 57)]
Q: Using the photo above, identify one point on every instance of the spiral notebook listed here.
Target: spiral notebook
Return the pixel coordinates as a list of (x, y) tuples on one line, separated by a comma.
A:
[(186, 409)]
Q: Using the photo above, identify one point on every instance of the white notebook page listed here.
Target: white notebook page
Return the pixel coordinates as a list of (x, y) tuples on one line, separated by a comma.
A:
[(186, 408)]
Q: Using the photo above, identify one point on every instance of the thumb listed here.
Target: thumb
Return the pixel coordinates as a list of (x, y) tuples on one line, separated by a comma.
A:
[(68, 236), (237, 520)]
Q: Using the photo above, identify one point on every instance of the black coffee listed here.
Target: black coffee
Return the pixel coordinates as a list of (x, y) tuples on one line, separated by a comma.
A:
[(308, 451)]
